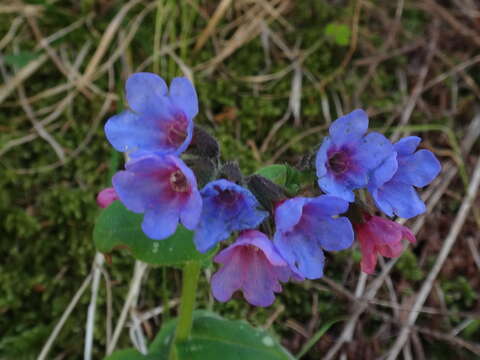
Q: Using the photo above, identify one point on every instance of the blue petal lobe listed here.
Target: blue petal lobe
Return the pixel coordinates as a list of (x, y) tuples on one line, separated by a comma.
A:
[(184, 96), (304, 255), (403, 199), (160, 223), (407, 145), (322, 157), (384, 172), (349, 128), (288, 214), (326, 205), (418, 169), (372, 150), (143, 90), (128, 132), (334, 234), (330, 185)]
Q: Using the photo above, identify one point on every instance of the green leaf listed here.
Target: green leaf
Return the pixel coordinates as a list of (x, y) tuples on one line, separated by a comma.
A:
[(216, 338), (284, 175), (340, 33), (118, 227), (276, 173), (132, 354), (20, 59)]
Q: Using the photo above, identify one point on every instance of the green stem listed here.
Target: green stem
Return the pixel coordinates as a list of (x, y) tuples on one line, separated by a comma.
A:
[(191, 272)]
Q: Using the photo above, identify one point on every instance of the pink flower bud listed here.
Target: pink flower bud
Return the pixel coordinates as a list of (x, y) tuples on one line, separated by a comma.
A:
[(106, 197)]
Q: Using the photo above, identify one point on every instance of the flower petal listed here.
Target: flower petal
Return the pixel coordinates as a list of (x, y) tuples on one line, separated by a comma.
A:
[(288, 214), (332, 186), (192, 210), (326, 205), (208, 234), (147, 190), (322, 157), (304, 255), (392, 250), (334, 234), (349, 128), (408, 234), (418, 169), (128, 132), (407, 145), (261, 281), (230, 277), (402, 198), (262, 242), (384, 172), (160, 223), (184, 96), (143, 90), (373, 150)]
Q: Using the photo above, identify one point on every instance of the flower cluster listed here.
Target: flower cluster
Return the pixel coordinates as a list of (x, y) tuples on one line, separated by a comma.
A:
[(278, 236)]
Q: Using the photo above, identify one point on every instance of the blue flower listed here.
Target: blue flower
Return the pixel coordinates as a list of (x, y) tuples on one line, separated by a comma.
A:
[(164, 189), (160, 120), (305, 226), (251, 265), (392, 184), (227, 207), (347, 156)]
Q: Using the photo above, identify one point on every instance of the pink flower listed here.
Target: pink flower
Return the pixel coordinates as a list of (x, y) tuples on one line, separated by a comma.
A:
[(106, 197), (383, 236), (251, 265)]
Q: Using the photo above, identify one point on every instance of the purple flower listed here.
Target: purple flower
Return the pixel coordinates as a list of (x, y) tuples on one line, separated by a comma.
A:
[(227, 207), (164, 189), (253, 266), (392, 184), (160, 119), (305, 226), (106, 197), (347, 156)]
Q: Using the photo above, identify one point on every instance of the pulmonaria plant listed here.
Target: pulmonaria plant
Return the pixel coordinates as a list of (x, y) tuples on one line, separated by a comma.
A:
[(305, 222)]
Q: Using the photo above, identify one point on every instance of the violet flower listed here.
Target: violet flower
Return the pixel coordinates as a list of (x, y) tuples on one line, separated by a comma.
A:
[(159, 119), (392, 184), (164, 189), (348, 155), (307, 226), (227, 207)]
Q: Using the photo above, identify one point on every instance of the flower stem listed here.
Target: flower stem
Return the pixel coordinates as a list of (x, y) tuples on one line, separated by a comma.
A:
[(191, 272)]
